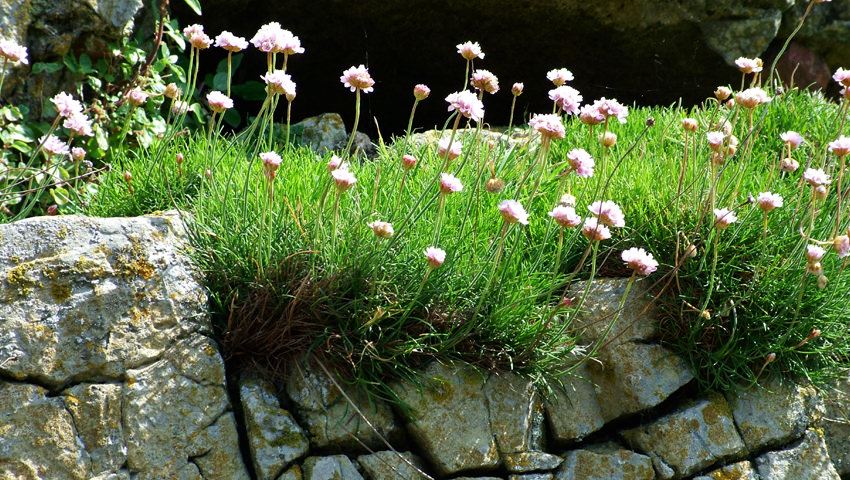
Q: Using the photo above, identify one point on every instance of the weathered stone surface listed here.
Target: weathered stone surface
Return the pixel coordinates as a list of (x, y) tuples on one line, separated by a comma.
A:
[(275, 439), (773, 414), (337, 467), (516, 413), (327, 133), (215, 450), (531, 476), (390, 465), (737, 471), (530, 461), (740, 37), (293, 473), (691, 439), (605, 462), (96, 410), (448, 418), (520, 137), (601, 301), (836, 425), (807, 460), (572, 408), (631, 377), (331, 420)]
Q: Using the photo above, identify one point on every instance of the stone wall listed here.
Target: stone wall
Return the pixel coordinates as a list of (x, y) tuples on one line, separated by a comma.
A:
[(108, 371)]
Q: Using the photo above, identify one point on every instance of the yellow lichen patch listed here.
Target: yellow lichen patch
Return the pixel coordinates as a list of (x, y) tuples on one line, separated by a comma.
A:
[(89, 268), (131, 262), (19, 278)]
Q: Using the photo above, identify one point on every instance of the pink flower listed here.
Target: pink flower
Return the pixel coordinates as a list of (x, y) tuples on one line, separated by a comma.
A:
[(722, 93), (595, 231), (567, 200), (841, 244), (608, 139), (13, 53), (752, 98), (357, 78), (513, 212), (567, 99), (271, 38), (565, 216), (334, 163), (821, 192), (193, 29), (840, 146), (484, 80), (560, 76), (715, 140), (581, 162), (470, 50), (608, 213), (435, 256), (549, 125), (230, 42), (381, 229), (196, 36), (78, 154), (816, 177), (343, 179), (517, 88), (179, 107), (467, 104), (589, 115), (449, 184), (792, 139), (137, 97), (66, 106), (421, 92), (79, 124), (789, 165), (218, 101), (611, 108), (279, 83), (54, 146), (690, 124), (639, 261), (443, 149), (408, 162), (842, 76), (749, 65), (768, 201), (271, 162), (723, 217), (814, 253)]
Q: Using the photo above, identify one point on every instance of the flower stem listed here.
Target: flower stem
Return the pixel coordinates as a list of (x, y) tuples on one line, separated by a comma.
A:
[(229, 64), (511, 118), (356, 122)]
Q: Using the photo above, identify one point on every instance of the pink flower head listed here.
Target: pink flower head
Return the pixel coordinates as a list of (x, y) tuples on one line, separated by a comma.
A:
[(271, 38), (722, 93), (768, 201), (589, 115), (513, 212), (421, 92), (567, 99), (279, 83), (608, 213), (54, 146), (470, 50), (343, 179), (595, 231), (66, 106), (357, 78), (816, 177), (449, 184), (841, 244), (723, 217), (792, 139), (381, 229), (840, 146), (13, 53), (485, 81), (271, 162), (690, 124), (821, 192), (842, 76), (79, 124), (408, 162), (78, 154), (752, 97), (435, 256), (640, 261), (218, 101), (560, 76), (581, 162), (611, 108), (789, 165), (196, 36), (137, 97), (192, 29), (749, 65), (549, 125), (230, 42), (334, 163), (289, 44), (467, 104), (517, 88), (443, 149), (565, 216), (814, 253), (715, 140)]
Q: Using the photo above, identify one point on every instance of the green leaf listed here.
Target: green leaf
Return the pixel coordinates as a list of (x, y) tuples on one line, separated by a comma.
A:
[(60, 196), (232, 117), (220, 81), (251, 90), (42, 67), (71, 63), (85, 64), (195, 5)]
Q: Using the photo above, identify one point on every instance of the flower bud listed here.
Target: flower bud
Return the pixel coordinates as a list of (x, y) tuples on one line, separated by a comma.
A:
[(722, 93), (421, 92), (517, 89), (178, 158), (408, 162), (822, 281), (608, 139), (690, 124), (495, 185)]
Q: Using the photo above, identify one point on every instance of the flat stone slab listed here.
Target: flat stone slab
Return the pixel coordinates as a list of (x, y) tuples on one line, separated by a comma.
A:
[(737, 471), (516, 413), (389, 465), (605, 462), (836, 425), (601, 301), (573, 411), (335, 467), (807, 460), (530, 461)]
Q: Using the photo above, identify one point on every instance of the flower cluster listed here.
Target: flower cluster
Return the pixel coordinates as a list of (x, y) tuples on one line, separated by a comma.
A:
[(12, 52), (467, 104)]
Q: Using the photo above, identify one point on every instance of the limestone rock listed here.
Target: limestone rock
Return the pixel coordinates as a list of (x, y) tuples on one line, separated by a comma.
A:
[(572, 408), (530, 461), (448, 418), (390, 465), (516, 413), (631, 377), (274, 437), (337, 467), (293, 473), (327, 133), (836, 425), (96, 410), (531, 476), (740, 37), (215, 450), (691, 439), (605, 462), (807, 460), (603, 297), (737, 471), (329, 418)]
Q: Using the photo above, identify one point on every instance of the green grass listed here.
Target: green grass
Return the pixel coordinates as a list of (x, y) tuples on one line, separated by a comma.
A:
[(285, 277)]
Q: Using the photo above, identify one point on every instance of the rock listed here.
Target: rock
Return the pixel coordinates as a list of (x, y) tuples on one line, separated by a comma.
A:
[(836, 425), (448, 418), (737, 471), (493, 138), (742, 37), (686, 441), (516, 413), (572, 407), (215, 450), (331, 420), (293, 473), (390, 465), (337, 467), (275, 439), (807, 460), (605, 462), (532, 476), (772, 415), (601, 302), (631, 377), (327, 133), (96, 411), (530, 461)]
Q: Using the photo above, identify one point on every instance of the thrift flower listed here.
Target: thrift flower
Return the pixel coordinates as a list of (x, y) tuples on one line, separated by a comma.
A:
[(611, 109), (565, 216), (485, 81), (581, 162), (271, 162), (608, 139), (589, 115), (792, 139), (769, 201), (517, 88), (279, 83), (595, 231), (789, 165), (548, 125), (54, 146), (567, 99), (343, 179), (567, 200), (560, 76), (513, 212), (470, 50), (357, 78), (172, 91), (814, 253), (722, 93), (608, 213), (842, 76), (821, 192), (841, 146), (494, 185), (752, 98), (841, 244), (421, 92), (179, 107), (749, 65), (230, 42), (137, 97), (690, 124), (408, 162), (196, 36), (641, 262), (723, 217), (79, 124), (449, 184), (218, 101), (467, 104), (816, 177), (13, 53), (715, 140), (435, 256), (381, 229), (334, 163), (78, 154), (271, 38), (66, 106), (444, 150)]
